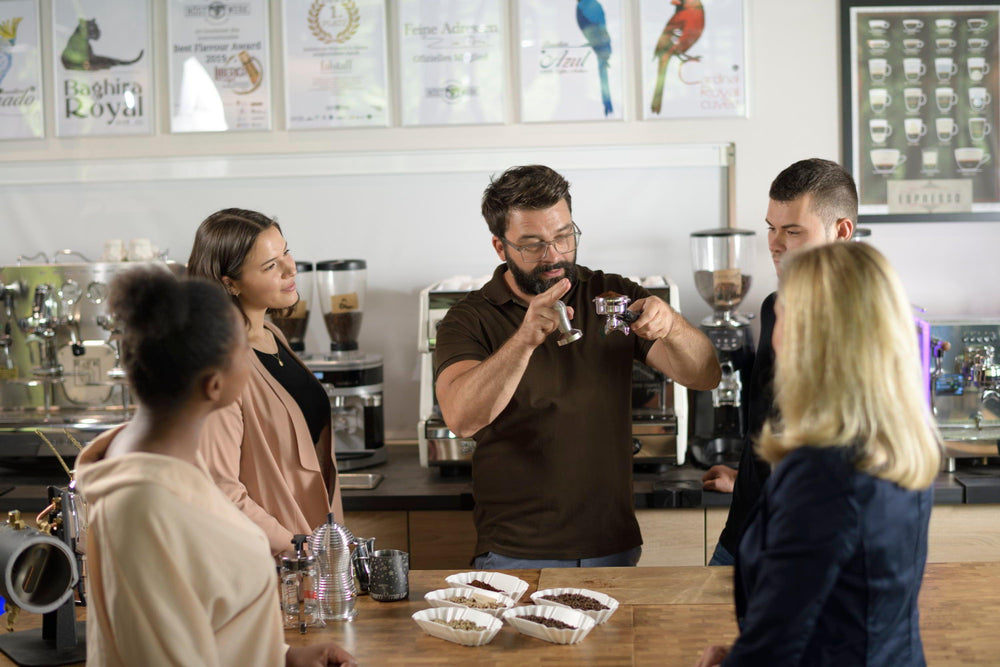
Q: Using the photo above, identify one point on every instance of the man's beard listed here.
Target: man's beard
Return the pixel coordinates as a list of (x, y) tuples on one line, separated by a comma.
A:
[(533, 283)]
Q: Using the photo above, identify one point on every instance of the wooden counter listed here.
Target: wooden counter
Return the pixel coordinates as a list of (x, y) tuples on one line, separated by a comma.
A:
[(667, 615)]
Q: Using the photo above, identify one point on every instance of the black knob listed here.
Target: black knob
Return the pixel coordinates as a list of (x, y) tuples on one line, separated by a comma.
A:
[(78, 350)]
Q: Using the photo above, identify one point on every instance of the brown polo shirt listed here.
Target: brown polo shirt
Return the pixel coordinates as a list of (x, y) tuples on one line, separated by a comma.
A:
[(552, 475)]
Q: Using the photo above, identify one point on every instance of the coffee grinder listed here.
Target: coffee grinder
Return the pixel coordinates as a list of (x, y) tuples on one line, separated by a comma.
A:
[(294, 324), (722, 261), (353, 379)]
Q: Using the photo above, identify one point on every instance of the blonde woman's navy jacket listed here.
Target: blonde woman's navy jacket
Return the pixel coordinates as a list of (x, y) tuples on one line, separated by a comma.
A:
[(829, 568)]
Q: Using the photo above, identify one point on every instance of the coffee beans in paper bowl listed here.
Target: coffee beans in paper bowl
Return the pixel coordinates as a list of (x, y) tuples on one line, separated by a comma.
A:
[(510, 586), (472, 598), (598, 606), (558, 625), (458, 624)]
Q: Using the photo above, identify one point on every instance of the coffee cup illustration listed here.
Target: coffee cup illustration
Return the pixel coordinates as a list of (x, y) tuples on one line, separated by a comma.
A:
[(945, 98), (945, 25), (978, 68), (880, 130), (913, 99), (929, 161), (879, 69), (879, 98), (912, 46), (878, 46), (911, 26), (978, 128), (914, 128), (969, 160), (878, 26), (946, 128), (977, 44), (945, 68), (945, 45), (886, 160), (979, 97), (977, 25), (913, 69)]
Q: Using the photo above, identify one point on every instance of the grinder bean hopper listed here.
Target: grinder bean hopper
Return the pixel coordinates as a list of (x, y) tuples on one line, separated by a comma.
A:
[(353, 379)]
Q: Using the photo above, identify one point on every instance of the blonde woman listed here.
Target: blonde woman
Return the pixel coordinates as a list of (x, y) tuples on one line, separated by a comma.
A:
[(830, 565)]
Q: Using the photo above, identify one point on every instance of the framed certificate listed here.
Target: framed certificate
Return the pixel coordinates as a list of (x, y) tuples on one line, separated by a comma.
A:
[(220, 76), (335, 63), (451, 61), (921, 82)]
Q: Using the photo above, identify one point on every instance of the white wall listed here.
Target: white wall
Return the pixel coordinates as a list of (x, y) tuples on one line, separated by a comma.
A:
[(794, 99)]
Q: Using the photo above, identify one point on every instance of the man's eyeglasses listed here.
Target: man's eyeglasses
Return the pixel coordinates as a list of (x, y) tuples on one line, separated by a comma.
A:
[(533, 253)]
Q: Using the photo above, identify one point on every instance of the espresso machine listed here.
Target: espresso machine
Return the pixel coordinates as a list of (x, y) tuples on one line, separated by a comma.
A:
[(722, 261), (659, 407), (60, 370), (353, 379), (963, 379)]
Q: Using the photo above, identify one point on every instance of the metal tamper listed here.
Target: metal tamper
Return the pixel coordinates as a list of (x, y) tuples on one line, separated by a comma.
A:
[(569, 334)]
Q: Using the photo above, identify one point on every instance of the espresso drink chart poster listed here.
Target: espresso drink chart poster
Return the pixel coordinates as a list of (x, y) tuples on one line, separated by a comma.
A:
[(572, 60), (693, 57), (924, 104), (451, 61), (219, 65), (335, 63), (21, 112), (102, 57)]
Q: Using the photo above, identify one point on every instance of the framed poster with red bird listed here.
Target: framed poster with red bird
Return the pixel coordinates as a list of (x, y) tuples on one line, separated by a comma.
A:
[(693, 58), (921, 108)]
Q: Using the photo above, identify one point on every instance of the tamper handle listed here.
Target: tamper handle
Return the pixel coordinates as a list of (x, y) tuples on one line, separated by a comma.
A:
[(569, 334)]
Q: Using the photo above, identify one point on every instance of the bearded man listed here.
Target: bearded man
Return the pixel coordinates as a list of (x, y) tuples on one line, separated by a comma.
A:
[(552, 469)]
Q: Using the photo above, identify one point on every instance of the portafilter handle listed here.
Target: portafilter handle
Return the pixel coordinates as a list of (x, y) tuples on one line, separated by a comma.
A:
[(569, 334)]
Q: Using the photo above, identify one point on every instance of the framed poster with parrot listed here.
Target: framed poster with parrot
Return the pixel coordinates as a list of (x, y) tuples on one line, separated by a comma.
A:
[(921, 93), (21, 111), (693, 55), (572, 60)]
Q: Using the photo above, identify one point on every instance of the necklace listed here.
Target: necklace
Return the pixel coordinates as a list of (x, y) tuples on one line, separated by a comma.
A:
[(277, 356)]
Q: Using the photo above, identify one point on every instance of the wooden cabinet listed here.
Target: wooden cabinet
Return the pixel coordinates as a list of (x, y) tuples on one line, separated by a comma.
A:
[(438, 540), (672, 537)]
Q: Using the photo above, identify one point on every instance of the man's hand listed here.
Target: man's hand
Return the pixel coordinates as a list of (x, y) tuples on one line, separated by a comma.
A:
[(319, 655), (719, 478), (656, 318), (542, 318)]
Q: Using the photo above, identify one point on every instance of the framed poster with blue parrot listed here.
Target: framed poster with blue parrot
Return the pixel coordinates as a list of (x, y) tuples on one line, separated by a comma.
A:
[(921, 108), (572, 60), (21, 112), (693, 58)]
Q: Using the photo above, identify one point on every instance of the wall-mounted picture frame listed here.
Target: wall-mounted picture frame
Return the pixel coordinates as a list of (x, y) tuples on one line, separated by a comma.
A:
[(921, 108)]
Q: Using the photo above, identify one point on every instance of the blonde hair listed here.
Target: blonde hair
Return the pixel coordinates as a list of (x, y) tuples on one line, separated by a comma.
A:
[(848, 367)]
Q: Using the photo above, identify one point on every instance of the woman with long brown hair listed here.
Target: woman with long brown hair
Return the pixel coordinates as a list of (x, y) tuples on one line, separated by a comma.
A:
[(271, 451)]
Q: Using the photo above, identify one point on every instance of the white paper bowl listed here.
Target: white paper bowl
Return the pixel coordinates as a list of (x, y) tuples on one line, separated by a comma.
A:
[(440, 598), (582, 623), (601, 615), (425, 619), (513, 587)]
